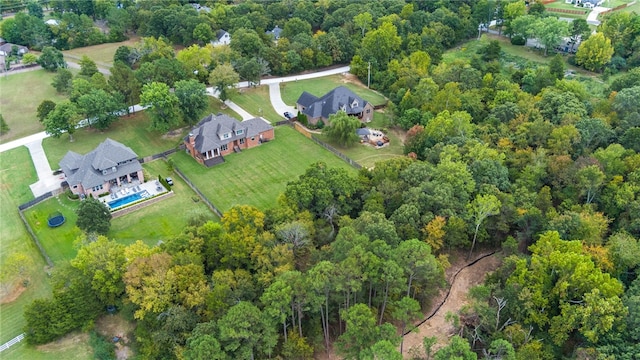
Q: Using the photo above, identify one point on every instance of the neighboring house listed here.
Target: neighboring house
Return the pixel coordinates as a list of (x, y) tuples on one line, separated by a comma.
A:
[(7, 48), (52, 22), (219, 135), (275, 33), (222, 38), (589, 3), (111, 164), (335, 100), (199, 8)]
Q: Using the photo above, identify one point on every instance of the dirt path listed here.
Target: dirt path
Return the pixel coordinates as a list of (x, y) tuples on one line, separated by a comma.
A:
[(461, 281)]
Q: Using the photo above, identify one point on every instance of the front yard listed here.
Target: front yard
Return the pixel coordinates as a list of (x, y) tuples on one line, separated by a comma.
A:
[(291, 90), (256, 102), (257, 176)]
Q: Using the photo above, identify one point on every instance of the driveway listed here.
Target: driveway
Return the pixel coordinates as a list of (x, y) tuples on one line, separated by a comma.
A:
[(276, 101), (592, 18), (46, 180)]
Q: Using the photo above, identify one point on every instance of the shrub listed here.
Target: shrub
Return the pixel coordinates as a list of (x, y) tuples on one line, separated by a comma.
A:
[(103, 349), (302, 118), (4, 128), (320, 124), (164, 183), (72, 196), (518, 40)]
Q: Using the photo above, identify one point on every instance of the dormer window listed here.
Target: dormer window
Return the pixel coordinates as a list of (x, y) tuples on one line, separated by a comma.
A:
[(226, 135), (343, 107), (354, 104), (239, 132)]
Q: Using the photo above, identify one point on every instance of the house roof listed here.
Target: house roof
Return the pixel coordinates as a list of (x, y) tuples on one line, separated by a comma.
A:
[(209, 132), (275, 33), (52, 22), (340, 98), (220, 34), (7, 47), (107, 161)]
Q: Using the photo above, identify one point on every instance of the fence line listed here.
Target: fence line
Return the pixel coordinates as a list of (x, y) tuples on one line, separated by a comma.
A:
[(157, 156), (197, 191), (11, 342), (336, 152), (35, 201)]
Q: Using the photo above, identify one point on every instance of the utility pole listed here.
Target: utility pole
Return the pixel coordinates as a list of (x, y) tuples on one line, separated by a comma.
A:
[(369, 75)]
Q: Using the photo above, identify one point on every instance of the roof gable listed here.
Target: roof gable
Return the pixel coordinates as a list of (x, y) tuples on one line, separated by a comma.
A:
[(209, 132)]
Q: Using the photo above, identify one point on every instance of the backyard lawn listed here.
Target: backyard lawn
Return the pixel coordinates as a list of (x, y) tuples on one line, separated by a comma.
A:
[(256, 102), (291, 90), (257, 176), (101, 54), (16, 174), (132, 131), (151, 224), (18, 110), (366, 155)]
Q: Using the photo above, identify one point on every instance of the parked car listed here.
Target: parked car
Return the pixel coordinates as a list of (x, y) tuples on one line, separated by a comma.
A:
[(288, 115), (57, 172), (169, 181)]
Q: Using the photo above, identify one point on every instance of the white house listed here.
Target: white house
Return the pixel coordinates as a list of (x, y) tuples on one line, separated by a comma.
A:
[(222, 38)]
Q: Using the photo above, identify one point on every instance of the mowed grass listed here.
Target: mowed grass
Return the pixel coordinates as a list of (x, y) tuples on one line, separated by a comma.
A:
[(156, 222), (257, 176), (16, 173), (75, 347), (20, 95), (132, 131), (366, 155), (101, 54), (256, 101), (291, 91)]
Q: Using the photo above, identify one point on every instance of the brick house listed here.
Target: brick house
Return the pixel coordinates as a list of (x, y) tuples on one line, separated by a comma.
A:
[(110, 164), (219, 135), (340, 98)]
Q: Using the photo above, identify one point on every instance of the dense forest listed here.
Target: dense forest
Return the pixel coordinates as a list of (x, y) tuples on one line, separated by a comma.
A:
[(499, 155)]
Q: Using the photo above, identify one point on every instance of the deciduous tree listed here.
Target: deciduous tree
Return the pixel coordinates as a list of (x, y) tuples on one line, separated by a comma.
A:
[(224, 79), (192, 99), (342, 129), (62, 119), (93, 216), (595, 52), (163, 106)]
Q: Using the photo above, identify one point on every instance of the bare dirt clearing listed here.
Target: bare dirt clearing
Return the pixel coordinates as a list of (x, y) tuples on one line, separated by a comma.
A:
[(111, 326), (436, 325)]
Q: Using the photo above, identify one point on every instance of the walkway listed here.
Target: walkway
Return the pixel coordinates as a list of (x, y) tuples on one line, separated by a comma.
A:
[(592, 18)]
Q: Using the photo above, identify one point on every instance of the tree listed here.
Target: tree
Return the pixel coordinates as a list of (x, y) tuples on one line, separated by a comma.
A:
[(379, 45), (123, 80), (35, 9), (100, 107), (192, 99), (590, 179), (93, 216), (406, 310), (294, 27), (203, 33), (418, 264), (17, 267), (579, 31), (342, 129), (482, 207), (363, 21), (362, 332), (197, 60), (62, 81), (458, 348), (103, 262), (557, 66), (62, 119), (45, 107), (87, 66), (245, 333), (163, 104), (550, 31), (29, 59), (595, 52), (51, 59), (224, 79)]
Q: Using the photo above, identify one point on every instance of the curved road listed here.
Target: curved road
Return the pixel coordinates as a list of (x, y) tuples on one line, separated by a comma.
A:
[(47, 182)]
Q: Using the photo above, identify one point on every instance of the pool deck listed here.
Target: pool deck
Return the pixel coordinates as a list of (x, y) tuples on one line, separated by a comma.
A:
[(152, 187)]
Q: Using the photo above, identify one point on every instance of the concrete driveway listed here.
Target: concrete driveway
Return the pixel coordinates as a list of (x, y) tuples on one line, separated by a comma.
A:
[(277, 103), (46, 180)]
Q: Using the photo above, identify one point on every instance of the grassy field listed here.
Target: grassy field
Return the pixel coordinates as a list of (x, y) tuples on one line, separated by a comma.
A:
[(367, 156), (132, 131), (291, 90), (18, 109), (101, 54), (76, 348), (257, 176), (151, 224), (16, 174), (256, 102)]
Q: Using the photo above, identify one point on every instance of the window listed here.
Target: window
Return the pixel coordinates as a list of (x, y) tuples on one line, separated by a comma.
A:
[(239, 132), (242, 141), (368, 111), (226, 136), (253, 138), (224, 147)]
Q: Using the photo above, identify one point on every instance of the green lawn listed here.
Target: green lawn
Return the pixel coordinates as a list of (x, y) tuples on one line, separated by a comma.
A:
[(101, 54), (257, 176), (132, 131), (20, 95), (16, 174), (367, 156), (256, 102), (151, 224), (68, 350), (291, 90)]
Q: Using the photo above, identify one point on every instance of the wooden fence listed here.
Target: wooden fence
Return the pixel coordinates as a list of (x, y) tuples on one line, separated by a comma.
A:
[(568, 11), (197, 191)]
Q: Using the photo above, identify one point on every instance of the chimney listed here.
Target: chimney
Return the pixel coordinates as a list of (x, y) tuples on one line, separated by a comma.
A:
[(192, 139)]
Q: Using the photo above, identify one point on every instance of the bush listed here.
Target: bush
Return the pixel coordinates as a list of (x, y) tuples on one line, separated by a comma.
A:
[(4, 128), (72, 196), (518, 40), (103, 349), (302, 118), (164, 183), (320, 124)]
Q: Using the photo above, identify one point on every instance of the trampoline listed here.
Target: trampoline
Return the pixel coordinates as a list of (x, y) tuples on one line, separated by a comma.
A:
[(56, 219)]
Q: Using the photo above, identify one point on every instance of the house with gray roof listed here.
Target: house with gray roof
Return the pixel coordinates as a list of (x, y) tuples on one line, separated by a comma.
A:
[(219, 135), (6, 49), (109, 165), (275, 33), (222, 38), (338, 99)]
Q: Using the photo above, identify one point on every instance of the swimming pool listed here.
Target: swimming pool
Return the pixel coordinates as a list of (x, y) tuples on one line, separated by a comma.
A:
[(124, 200)]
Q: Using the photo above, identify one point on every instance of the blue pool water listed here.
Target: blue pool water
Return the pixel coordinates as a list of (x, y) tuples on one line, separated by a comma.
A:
[(125, 200)]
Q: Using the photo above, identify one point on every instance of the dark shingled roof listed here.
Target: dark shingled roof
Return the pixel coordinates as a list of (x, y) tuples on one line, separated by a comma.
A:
[(335, 100), (220, 34), (209, 132), (108, 161)]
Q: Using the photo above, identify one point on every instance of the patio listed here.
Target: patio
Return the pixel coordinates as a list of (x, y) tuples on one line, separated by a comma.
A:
[(145, 190)]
